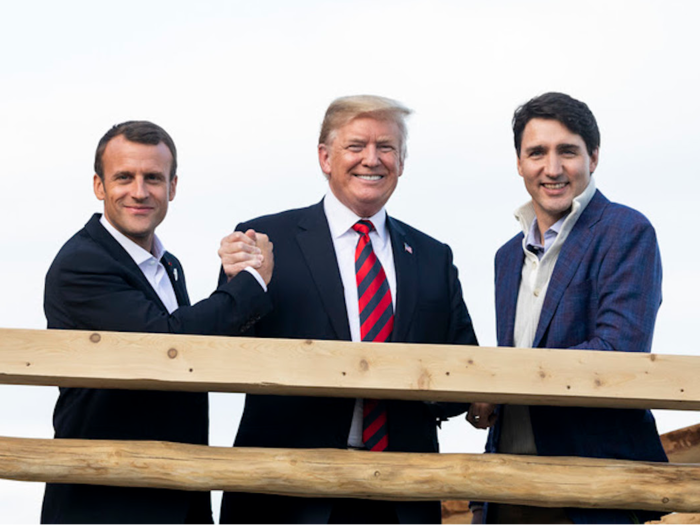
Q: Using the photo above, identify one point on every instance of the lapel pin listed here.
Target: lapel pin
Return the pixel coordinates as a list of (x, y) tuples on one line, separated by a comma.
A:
[(407, 248)]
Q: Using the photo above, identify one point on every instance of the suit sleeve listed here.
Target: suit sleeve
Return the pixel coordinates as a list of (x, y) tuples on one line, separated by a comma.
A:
[(628, 289), (461, 328), (461, 332), (89, 289)]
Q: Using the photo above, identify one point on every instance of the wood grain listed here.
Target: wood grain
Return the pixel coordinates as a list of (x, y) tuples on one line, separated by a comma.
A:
[(344, 369), (342, 473)]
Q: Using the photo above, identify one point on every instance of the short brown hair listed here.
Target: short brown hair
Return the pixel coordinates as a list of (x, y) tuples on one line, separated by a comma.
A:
[(141, 132)]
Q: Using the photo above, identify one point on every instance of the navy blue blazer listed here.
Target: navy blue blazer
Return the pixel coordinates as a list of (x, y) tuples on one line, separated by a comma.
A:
[(93, 284), (604, 294), (308, 298)]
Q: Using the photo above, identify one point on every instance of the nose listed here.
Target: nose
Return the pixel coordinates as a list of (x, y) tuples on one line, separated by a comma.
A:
[(553, 166), (140, 189), (371, 157)]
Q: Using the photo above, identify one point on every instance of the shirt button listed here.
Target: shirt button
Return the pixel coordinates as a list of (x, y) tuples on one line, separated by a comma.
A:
[(536, 292)]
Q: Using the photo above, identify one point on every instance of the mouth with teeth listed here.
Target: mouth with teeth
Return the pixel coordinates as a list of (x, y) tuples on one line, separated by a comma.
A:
[(554, 185), (369, 177)]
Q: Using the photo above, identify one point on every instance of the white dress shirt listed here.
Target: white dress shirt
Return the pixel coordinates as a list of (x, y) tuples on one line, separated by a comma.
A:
[(340, 220), (149, 264)]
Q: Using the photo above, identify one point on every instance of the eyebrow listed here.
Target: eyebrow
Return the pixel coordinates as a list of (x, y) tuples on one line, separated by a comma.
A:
[(123, 172), (559, 147), (532, 149), (568, 146)]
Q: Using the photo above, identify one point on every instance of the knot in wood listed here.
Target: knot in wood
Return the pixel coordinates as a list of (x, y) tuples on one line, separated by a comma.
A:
[(364, 365), (665, 500), (172, 353), (377, 473), (424, 380), (95, 338)]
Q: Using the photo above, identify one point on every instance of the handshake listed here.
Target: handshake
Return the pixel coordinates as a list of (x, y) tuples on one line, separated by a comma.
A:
[(250, 249)]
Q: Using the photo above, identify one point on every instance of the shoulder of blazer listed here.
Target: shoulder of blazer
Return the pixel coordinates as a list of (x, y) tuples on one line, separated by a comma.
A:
[(303, 217), (94, 249), (413, 237)]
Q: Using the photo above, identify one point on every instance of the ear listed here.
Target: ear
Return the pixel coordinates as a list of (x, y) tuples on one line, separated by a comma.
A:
[(324, 159), (98, 187), (520, 168), (594, 160), (173, 187)]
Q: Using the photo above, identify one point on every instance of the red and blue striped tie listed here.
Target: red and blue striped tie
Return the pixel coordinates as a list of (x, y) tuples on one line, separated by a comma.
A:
[(376, 324)]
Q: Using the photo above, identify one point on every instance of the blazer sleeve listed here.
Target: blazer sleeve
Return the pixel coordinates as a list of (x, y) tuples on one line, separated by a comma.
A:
[(86, 288), (627, 291), (461, 332), (461, 328)]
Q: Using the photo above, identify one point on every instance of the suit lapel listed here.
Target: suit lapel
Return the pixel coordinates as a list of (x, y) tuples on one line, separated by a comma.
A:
[(507, 289), (568, 261), (314, 239), (177, 278), (119, 254), (406, 279)]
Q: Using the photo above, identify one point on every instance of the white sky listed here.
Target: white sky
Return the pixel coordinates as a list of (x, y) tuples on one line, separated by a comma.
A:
[(242, 87)]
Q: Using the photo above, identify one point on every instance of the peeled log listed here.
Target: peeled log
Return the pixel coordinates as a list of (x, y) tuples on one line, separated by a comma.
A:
[(683, 445), (578, 482)]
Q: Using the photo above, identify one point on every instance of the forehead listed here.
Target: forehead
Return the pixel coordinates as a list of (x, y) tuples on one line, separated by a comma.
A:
[(122, 154), (544, 132), (367, 128)]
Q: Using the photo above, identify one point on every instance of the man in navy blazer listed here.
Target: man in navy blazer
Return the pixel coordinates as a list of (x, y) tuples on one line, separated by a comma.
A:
[(115, 275), (585, 273), (315, 296)]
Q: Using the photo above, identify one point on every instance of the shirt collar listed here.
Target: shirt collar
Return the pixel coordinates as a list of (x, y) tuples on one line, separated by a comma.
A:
[(341, 218), (532, 237), (136, 252), (525, 214)]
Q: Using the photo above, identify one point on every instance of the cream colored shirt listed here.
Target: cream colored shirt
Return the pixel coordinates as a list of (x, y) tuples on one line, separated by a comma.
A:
[(516, 430)]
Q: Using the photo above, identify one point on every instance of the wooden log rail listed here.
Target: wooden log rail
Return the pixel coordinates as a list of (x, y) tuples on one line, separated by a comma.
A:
[(683, 445), (336, 368), (543, 481), (332, 368)]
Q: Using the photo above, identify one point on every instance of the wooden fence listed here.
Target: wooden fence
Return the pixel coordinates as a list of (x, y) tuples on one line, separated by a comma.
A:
[(332, 368)]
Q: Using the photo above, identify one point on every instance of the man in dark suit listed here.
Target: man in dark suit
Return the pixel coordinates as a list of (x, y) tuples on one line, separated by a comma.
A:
[(328, 285), (585, 273), (114, 274)]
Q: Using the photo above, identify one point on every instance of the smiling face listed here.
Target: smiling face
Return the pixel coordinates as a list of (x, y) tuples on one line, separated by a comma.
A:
[(136, 188), (556, 167), (363, 163)]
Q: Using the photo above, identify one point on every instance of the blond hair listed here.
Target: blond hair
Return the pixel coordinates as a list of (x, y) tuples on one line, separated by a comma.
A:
[(346, 109)]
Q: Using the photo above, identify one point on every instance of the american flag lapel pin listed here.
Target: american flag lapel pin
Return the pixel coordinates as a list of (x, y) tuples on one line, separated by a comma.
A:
[(407, 248)]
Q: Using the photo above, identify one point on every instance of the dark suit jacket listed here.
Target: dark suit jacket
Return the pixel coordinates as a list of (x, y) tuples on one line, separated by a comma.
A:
[(307, 293), (604, 294), (93, 284)]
